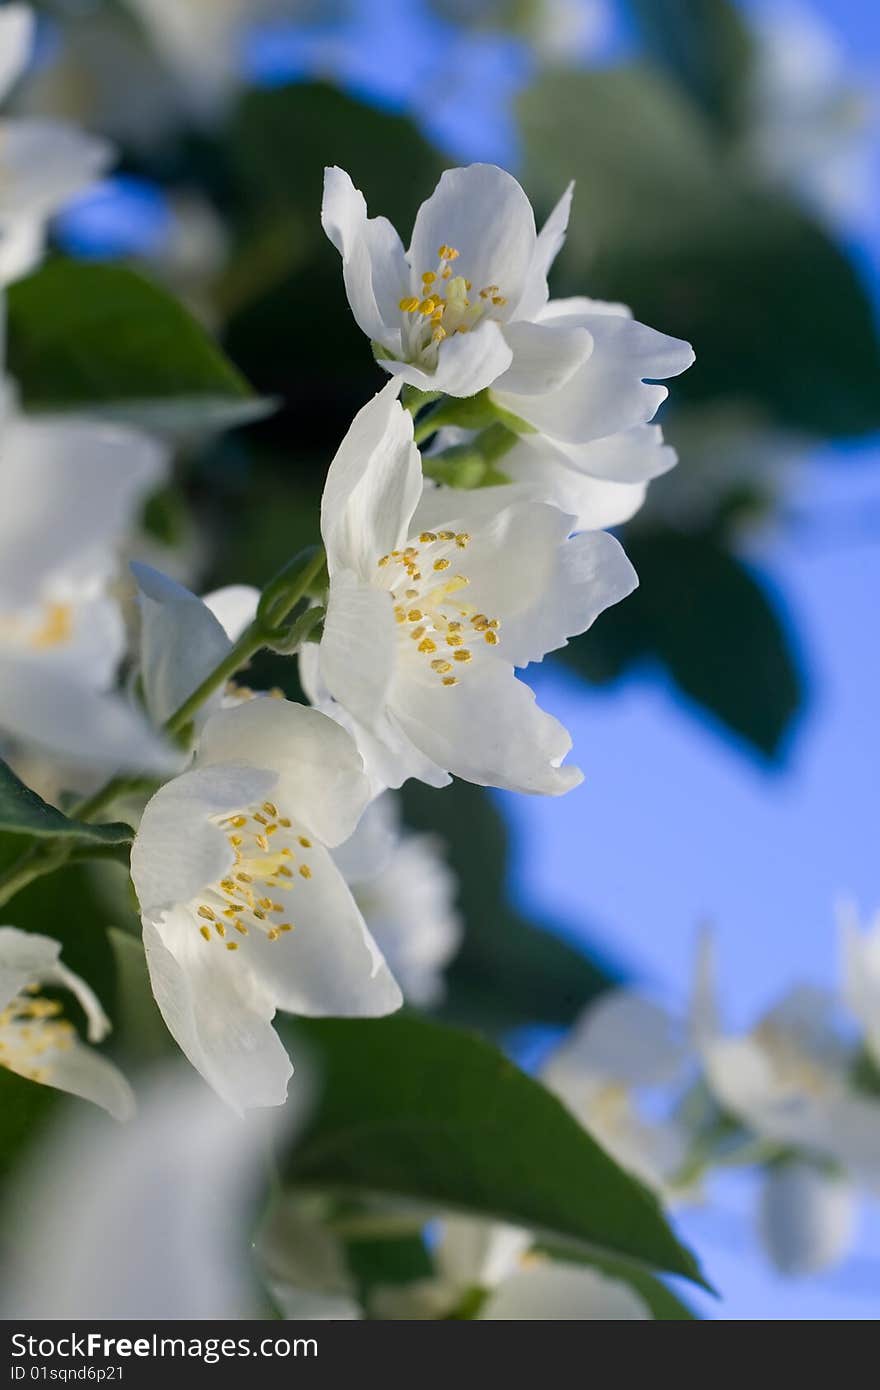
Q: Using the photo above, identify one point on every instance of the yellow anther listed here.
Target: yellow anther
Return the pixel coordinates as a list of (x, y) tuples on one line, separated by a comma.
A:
[(416, 633), (285, 821), (260, 819), (454, 640), (270, 829), (498, 299), (206, 932), (450, 680), (262, 841), (447, 253), (235, 841), (409, 303), (384, 561), (463, 655), (454, 626), (446, 535), (462, 539), (270, 808), (428, 305), (259, 914), (427, 645), (277, 907), (286, 926), (305, 871), (220, 928), (415, 615), (480, 622), (438, 334), (493, 622), (206, 913), (240, 927), (227, 885), (304, 841), (441, 666), (245, 878), (285, 871), (274, 934), (442, 564), (428, 277), (265, 902), (462, 328), (491, 638), (232, 945), (427, 537)]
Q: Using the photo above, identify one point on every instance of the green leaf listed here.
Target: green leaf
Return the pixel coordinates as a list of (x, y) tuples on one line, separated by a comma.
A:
[(663, 221), (508, 971), (430, 1113), (706, 47), (707, 618), (84, 335), (24, 1108), (665, 1306), (22, 812)]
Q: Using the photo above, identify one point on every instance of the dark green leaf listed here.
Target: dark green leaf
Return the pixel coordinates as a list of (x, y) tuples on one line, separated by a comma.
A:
[(430, 1113), (707, 618), (84, 335), (22, 812), (775, 311), (508, 971), (705, 46)]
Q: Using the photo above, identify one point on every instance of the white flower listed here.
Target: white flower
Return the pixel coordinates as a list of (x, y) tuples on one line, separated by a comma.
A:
[(244, 911), (474, 1257), (71, 489), (42, 163), (861, 973), (622, 1046), (434, 599), (176, 1188), (200, 40), (303, 1264), (467, 308), (806, 1217), (406, 893), (36, 1041), (789, 1080)]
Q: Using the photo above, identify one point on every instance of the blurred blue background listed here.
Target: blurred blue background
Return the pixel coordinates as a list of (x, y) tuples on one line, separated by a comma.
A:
[(677, 822)]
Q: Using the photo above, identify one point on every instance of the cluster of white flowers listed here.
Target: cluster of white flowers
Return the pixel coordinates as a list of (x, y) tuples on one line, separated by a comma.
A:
[(674, 1097)]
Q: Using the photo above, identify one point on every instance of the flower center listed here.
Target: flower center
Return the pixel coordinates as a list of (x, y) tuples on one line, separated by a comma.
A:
[(425, 590), (31, 1028), (446, 305), (52, 626), (269, 855)]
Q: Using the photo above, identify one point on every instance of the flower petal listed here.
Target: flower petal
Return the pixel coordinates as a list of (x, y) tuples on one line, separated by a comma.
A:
[(374, 266), (44, 163), (488, 729), (25, 958), (625, 1038), (218, 1014), (545, 356), (372, 487), (16, 40), (180, 645), (481, 212), (83, 1072), (806, 1218), (547, 248), (234, 607), (563, 1292), (317, 770), (593, 503), (358, 646), (466, 363)]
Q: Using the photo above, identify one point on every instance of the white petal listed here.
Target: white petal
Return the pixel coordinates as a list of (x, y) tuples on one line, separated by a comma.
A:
[(806, 1218), (547, 248), (43, 163), (372, 487), (181, 642), (97, 1022), (369, 850), (317, 770), (489, 730), (610, 392), (25, 958), (234, 607), (545, 356), (180, 1182), (358, 646), (374, 267), (219, 1016), (72, 490), (329, 964), (466, 363), (83, 1072), (22, 247), (76, 723), (556, 1291), (483, 213), (178, 851), (592, 503), (631, 456), (626, 1038), (473, 1252), (303, 1265), (16, 39)]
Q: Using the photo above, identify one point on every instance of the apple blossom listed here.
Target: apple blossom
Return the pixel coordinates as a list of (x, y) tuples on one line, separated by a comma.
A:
[(806, 1216), (243, 910), (36, 1041), (434, 598)]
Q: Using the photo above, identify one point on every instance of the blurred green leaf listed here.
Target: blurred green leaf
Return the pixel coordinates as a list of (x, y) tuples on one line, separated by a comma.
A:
[(22, 812), (706, 617), (24, 1108), (665, 1306), (437, 1115), (661, 220), (508, 971), (84, 335), (706, 47)]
